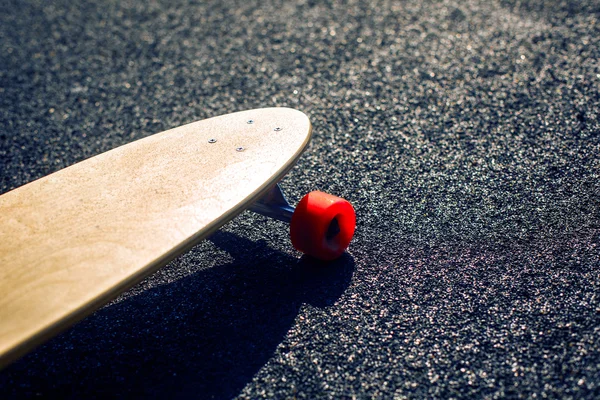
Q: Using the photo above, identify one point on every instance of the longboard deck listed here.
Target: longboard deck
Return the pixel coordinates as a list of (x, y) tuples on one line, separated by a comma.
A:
[(73, 240)]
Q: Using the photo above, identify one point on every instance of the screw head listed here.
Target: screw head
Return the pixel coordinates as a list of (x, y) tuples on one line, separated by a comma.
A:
[(212, 140), (240, 149), (250, 121), (277, 129)]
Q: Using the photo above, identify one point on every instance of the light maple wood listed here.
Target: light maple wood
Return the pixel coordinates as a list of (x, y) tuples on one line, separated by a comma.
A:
[(73, 240)]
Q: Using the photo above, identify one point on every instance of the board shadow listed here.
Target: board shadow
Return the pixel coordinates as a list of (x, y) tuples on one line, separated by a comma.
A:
[(203, 336)]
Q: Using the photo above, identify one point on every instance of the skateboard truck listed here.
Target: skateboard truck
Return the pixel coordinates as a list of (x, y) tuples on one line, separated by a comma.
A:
[(274, 205), (321, 225)]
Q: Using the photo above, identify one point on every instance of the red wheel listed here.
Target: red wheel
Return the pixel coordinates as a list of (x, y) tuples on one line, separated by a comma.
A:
[(322, 225)]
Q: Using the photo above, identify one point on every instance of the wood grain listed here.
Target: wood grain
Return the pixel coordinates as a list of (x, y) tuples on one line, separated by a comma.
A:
[(75, 239)]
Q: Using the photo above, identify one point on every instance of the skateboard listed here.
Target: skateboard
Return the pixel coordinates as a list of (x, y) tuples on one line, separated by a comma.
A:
[(75, 239)]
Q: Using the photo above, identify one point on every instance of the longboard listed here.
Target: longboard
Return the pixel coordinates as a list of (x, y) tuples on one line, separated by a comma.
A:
[(75, 239)]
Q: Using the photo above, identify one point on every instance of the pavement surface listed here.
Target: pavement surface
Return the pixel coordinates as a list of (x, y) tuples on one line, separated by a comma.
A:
[(466, 134)]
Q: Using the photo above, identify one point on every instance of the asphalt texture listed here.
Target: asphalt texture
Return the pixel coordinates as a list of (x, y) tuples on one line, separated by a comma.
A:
[(465, 133)]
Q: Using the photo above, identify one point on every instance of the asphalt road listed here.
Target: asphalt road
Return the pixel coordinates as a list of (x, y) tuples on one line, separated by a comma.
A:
[(466, 134)]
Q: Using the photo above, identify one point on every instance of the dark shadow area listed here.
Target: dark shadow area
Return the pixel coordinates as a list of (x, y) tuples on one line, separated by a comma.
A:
[(202, 336)]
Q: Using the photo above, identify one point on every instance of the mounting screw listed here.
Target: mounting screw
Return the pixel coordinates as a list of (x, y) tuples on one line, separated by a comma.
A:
[(250, 121), (277, 129), (240, 149), (212, 140)]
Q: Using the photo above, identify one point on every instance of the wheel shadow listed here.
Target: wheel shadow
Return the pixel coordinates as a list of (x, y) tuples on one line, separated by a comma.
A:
[(202, 336)]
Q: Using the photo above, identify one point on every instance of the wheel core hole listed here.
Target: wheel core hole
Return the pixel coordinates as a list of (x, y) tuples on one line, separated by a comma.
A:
[(333, 230)]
